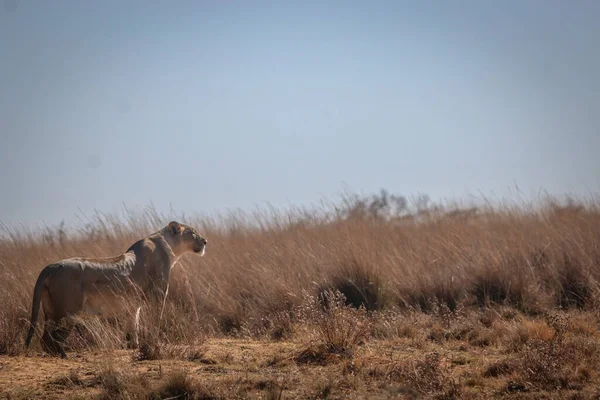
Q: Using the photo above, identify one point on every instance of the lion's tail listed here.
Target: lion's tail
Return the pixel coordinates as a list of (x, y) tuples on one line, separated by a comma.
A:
[(40, 285)]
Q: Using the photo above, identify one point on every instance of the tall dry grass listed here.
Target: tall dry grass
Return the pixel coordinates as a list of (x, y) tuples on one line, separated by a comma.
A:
[(377, 251)]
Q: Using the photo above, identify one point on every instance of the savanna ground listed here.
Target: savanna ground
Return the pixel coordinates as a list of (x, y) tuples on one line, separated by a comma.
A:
[(368, 298)]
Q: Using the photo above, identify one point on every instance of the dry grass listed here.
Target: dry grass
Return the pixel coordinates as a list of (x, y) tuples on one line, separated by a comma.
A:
[(482, 301)]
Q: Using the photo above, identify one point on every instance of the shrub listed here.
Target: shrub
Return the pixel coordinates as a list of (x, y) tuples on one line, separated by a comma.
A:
[(338, 326)]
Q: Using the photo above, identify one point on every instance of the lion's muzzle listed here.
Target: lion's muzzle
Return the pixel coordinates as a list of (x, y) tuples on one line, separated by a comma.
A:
[(202, 248)]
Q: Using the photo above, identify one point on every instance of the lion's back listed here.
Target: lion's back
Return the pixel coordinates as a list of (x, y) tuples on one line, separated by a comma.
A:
[(85, 271)]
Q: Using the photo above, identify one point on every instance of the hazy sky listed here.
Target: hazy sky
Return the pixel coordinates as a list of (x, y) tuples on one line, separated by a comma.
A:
[(211, 105)]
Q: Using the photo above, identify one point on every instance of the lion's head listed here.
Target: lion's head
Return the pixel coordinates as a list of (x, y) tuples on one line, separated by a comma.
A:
[(183, 238)]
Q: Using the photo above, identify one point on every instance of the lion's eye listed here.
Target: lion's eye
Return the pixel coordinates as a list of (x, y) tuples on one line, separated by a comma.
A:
[(194, 235)]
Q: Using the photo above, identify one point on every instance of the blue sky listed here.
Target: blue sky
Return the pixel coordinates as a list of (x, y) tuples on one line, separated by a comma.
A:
[(211, 105)]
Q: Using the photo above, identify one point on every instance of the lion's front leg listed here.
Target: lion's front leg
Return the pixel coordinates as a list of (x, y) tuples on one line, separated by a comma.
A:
[(132, 335), (157, 292), (164, 301), (136, 328)]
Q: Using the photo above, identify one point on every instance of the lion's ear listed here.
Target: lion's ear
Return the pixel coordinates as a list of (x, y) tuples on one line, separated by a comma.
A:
[(175, 227)]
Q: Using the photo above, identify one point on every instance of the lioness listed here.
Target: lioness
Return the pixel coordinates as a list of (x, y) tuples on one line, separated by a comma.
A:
[(97, 286)]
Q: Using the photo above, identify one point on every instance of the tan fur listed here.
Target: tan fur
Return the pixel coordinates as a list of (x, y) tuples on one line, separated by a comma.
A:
[(99, 285)]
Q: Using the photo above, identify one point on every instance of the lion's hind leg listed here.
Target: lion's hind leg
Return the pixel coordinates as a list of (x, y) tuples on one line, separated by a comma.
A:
[(59, 306), (54, 336)]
